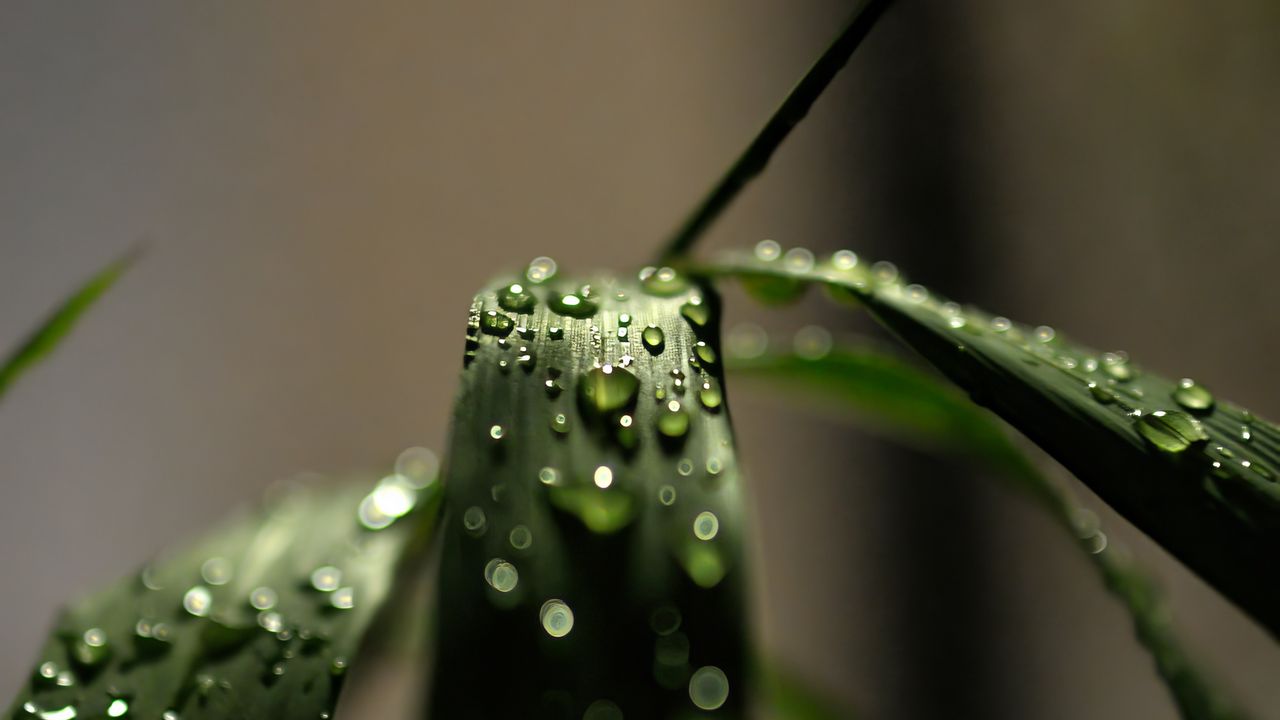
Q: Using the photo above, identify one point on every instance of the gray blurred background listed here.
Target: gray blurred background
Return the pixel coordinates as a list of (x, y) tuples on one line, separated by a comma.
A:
[(322, 185)]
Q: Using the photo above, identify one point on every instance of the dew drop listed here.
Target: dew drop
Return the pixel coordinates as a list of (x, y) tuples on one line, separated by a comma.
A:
[(418, 465), (198, 601), (1101, 394), (667, 495), (710, 395), (1171, 432), (520, 537), (662, 282), (496, 432), (560, 423), (343, 598), (549, 476), (1001, 324), (1044, 334), (1193, 396), (501, 575), (263, 598), (685, 467), (673, 420), (515, 298), (474, 521), (119, 707), (326, 578), (216, 571), (696, 312), (844, 260), (767, 250), (706, 525), (496, 323), (798, 260), (574, 305), (540, 269), (653, 339), (704, 352), (708, 687), (607, 389), (603, 477), (556, 618)]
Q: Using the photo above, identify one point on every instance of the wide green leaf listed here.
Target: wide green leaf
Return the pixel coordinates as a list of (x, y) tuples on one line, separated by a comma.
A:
[(592, 558), (921, 411), (261, 619), (1196, 473), (46, 337)]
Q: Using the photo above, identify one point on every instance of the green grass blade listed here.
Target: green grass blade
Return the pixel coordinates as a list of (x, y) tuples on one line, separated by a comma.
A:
[(789, 114), (592, 468), (1196, 473), (259, 620), (46, 337), (921, 411)]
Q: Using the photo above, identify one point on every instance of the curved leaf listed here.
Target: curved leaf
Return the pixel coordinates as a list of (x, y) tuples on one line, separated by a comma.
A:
[(920, 410), (1194, 472), (592, 559), (261, 619)]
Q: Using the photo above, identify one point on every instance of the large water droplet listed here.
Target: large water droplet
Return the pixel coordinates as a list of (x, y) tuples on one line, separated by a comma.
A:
[(198, 601), (326, 578), (708, 687), (1170, 431), (704, 352), (767, 250), (673, 420), (572, 305), (706, 525), (607, 389), (696, 312), (710, 395), (474, 521), (662, 282), (1193, 396), (653, 339), (556, 618), (540, 269)]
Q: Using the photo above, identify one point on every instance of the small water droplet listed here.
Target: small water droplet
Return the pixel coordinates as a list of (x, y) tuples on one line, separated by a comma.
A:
[(263, 598), (1001, 324), (1193, 396), (708, 687), (885, 272), (216, 571), (673, 420), (653, 339), (560, 423), (767, 250), (685, 467), (549, 476), (540, 270), (556, 618), (419, 466), (1170, 431), (798, 260), (710, 395), (603, 477), (706, 525), (515, 298), (844, 260), (344, 598), (474, 521), (667, 495), (198, 601), (812, 342), (520, 537), (501, 575), (495, 323), (696, 312), (662, 282), (1101, 394), (1044, 334), (704, 352), (496, 432), (326, 578)]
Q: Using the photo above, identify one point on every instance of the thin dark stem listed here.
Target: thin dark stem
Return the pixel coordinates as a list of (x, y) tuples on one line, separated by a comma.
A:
[(753, 160)]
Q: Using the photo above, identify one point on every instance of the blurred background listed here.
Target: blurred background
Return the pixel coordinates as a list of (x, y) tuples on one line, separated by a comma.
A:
[(322, 185)]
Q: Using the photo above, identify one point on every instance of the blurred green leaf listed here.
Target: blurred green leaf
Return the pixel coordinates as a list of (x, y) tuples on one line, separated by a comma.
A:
[(592, 560), (787, 695), (919, 410), (1195, 473), (46, 337), (261, 619)]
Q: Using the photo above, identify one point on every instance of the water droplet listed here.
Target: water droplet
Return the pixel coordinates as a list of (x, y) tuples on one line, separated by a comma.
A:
[(1101, 394), (1246, 433), (673, 421), (747, 340), (1116, 366), (624, 319), (665, 619), (119, 707), (603, 710), (474, 521), (798, 260), (272, 622), (1170, 431), (216, 571), (767, 250), (496, 432), (496, 323), (704, 352), (844, 260), (1044, 334), (520, 537), (812, 342), (1193, 396), (560, 423), (622, 334), (607, 389), (685, 467), (603, 477), (419, 466), (326, 578), (198, 601), (343, 598), (653, 339), (667, 495), (501, 575), (706, 525), (556, 618), (708, 687), (710, 395), (549, 476), (916, 293), (572, 305), (1001, 324), (263, 598), (662, 282), (885, 272), (696, 312), (515, 298), (540, 270)]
